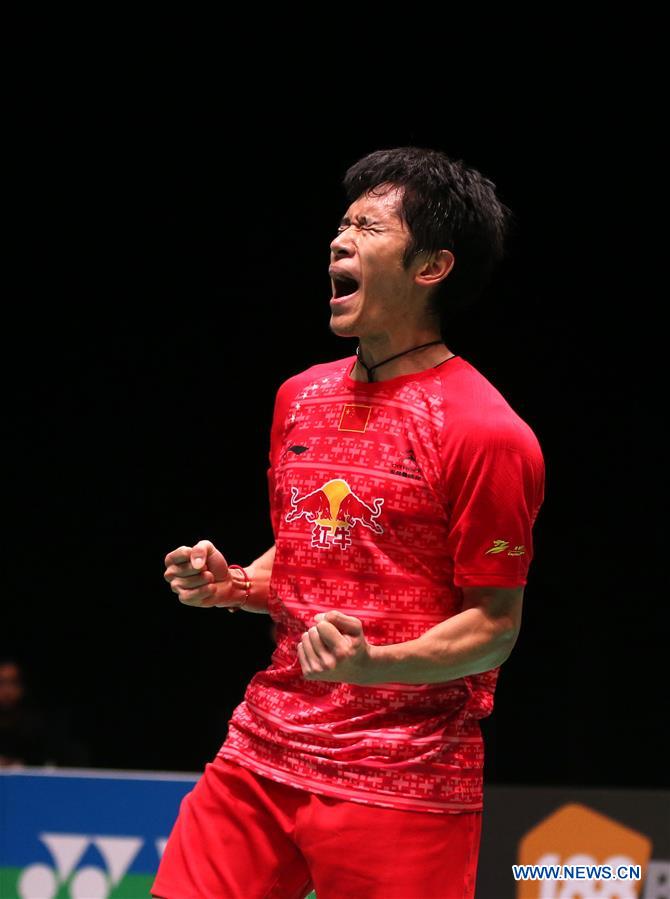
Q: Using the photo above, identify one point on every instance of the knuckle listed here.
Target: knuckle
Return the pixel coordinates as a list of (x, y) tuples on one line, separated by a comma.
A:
[(171, 557)]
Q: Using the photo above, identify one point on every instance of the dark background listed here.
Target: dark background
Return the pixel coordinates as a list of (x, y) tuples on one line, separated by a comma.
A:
[(171, 248)]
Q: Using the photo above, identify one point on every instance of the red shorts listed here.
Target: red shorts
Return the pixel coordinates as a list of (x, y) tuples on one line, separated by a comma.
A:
[(240, 835)]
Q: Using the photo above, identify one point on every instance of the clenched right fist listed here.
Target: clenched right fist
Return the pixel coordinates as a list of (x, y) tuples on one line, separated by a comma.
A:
[(199, 575)]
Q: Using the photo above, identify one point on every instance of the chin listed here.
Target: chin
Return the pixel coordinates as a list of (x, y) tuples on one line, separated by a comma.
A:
[(342, 328)]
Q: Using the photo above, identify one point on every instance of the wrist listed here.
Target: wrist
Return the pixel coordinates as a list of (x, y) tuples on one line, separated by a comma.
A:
[(255, 597), (242, 580), (386, 662)]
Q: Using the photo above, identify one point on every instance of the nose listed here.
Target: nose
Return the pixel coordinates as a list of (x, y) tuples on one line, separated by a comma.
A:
[(341, 245)]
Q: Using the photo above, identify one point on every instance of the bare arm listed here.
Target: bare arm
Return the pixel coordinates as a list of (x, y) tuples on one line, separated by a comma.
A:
[(478, 638)]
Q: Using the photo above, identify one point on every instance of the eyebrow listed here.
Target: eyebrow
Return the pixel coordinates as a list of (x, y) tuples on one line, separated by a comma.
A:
[(362, 218)]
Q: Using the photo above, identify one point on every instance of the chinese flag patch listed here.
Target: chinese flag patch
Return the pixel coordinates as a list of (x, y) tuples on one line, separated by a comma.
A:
[(354, 417)]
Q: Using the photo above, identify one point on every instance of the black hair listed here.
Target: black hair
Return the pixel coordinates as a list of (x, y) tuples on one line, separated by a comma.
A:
[(445, 205), (10, 658)]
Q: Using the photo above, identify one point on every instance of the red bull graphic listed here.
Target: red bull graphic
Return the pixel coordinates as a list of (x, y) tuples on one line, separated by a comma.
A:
[(334, 509)]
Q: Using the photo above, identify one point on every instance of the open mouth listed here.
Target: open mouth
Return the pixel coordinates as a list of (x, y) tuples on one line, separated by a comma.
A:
[(344, 287)]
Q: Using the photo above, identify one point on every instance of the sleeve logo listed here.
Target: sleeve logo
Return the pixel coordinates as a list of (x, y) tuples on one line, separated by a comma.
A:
[(500, 546)]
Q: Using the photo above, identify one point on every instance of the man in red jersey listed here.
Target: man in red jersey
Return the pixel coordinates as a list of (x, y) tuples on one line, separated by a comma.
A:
[(403, 491)]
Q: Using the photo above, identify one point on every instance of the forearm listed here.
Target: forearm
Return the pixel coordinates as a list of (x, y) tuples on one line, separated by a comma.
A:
[(467, 643), (259, 572)]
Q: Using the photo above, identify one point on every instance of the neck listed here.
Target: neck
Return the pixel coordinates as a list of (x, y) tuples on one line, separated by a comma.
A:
[(374, 351)]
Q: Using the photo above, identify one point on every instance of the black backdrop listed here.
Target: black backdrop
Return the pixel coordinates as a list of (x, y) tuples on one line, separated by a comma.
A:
[(172, 255)]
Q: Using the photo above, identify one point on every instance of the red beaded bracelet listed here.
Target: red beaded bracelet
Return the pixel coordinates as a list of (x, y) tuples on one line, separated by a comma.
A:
[(246, 583)]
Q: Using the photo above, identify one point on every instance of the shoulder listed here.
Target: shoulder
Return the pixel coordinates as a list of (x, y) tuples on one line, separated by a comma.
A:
[(479, 418), (314, 373), (290, 387)]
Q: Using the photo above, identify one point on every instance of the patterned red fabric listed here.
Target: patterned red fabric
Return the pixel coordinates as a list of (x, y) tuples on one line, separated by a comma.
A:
[(386, 499)]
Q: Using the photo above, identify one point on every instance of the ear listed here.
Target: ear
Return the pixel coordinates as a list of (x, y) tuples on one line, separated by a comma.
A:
[(435, 269)]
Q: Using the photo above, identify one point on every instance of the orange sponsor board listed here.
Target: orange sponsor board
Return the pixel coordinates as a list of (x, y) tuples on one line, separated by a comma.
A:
[(578, 835)]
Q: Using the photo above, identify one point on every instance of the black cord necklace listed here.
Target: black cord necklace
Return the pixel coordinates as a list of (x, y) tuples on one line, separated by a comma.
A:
[(370, 369)]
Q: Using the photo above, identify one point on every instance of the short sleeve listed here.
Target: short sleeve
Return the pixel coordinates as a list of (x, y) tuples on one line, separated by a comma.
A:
[(494, 487)]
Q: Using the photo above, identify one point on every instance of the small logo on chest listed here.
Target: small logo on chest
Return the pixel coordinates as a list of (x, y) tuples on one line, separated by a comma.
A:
[(407, 467)]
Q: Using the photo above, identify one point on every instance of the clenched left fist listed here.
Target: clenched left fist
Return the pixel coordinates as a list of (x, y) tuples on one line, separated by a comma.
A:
[(335, 649)]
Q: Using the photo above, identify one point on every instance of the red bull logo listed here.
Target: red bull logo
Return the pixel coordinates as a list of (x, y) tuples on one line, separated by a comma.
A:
[(334, 509)]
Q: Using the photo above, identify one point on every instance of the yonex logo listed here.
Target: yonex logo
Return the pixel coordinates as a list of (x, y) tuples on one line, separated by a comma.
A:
[(39, 881)]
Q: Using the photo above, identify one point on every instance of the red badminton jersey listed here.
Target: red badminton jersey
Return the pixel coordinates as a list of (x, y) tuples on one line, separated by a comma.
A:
[(386, 498)]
